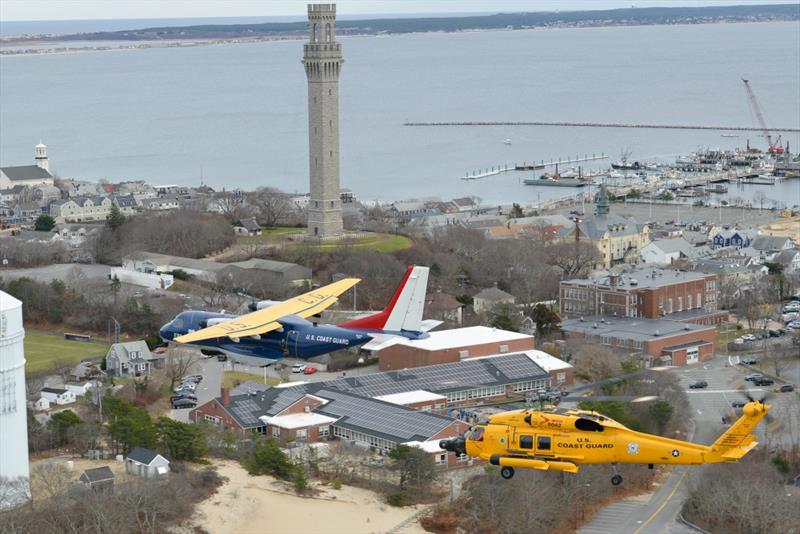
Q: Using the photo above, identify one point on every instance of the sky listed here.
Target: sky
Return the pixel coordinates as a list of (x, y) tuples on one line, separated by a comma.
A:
[(20, 10)]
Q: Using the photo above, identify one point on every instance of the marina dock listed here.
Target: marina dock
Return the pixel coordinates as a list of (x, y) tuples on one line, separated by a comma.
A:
[(533, 166)]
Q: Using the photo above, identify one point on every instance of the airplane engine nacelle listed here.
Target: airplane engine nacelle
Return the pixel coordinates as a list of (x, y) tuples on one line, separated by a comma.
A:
[(263, 304)]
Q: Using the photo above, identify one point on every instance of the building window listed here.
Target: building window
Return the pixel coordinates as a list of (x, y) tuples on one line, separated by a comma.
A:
[(463, 354), (503, 348), (276, 431), (212, 419), (561, 378), (441, 459), (324, 431), (301, 433)]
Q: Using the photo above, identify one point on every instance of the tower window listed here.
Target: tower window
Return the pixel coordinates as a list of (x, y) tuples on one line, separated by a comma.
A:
[(315, 99), (315, 130), (331, 203), (331, 153), (316, 203), (330, 92)]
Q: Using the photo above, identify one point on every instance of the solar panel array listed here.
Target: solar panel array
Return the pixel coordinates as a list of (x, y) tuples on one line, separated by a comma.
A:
[(247, 411), (444, 377), (285, 398), (403, 424)]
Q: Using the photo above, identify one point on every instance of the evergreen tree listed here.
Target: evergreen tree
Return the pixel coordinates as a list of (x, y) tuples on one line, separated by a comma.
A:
[(115, 218), (44, 223)]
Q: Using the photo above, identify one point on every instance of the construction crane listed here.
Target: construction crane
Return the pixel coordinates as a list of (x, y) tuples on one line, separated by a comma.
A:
[(774, 147)]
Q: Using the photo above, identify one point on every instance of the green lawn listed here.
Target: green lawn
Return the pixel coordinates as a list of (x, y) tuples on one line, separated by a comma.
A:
[(43, 349), (231, 379), (378, 242)]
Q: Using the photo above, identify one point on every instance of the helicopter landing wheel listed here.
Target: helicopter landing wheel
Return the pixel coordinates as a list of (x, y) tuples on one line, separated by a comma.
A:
[(616, 480), (507, 472)]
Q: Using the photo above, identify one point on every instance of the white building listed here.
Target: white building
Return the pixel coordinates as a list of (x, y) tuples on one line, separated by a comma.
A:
[(13, 415), (58, 395), (79, 389)]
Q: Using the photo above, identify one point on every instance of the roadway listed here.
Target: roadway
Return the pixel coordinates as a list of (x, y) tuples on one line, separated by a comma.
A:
[(657, 512)]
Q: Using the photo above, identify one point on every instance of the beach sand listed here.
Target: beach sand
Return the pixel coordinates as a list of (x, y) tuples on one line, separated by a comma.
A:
[(264, 505)]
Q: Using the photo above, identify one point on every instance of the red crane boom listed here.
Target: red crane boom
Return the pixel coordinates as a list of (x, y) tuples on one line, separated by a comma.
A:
[(774, 148)]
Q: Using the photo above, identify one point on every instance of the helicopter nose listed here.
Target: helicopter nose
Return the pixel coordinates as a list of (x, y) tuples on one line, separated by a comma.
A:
[(456, 445)]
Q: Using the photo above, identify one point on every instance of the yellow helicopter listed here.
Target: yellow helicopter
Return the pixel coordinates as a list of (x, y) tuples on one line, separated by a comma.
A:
[(558, 440)]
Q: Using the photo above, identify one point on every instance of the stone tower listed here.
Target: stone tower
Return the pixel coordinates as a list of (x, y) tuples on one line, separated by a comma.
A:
[(40, 155), (322, 58)]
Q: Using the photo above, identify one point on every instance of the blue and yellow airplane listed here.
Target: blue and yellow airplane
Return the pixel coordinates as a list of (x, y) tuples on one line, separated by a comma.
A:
[(282, 329)]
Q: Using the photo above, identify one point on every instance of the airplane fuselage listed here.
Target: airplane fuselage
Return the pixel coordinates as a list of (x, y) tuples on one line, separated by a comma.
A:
[(298, 338)]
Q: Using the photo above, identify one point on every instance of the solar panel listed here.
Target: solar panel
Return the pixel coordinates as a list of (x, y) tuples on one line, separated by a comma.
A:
[(285, 398), (404, 424), (247, 411)]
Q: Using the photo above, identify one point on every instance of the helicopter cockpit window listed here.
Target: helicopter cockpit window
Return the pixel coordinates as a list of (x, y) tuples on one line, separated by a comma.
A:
[(526, 442), (477, 434), (543, 443)]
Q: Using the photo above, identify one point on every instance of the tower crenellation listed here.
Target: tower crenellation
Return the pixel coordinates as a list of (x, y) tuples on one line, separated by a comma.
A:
[(322, 60)]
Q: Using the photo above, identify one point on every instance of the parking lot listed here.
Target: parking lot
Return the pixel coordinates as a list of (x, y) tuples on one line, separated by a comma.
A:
[(208, 389)]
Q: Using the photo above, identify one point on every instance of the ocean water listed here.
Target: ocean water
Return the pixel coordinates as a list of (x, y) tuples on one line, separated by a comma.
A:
[(235, 115)]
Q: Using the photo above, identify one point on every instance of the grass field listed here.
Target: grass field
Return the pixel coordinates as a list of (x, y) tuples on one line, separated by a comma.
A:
[(386, 243), (43, 349), (231, 379)]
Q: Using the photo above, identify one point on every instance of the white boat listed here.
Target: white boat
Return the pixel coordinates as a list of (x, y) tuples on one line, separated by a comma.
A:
[(507, 141)]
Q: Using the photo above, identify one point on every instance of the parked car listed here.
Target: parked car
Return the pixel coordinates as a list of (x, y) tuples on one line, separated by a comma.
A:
[(791, 307), (179, 396), (794, 325), (183, 403), (753, 376), (748, 361), (700, 384), (778, 332), (787, 388), (749, 337), (278, 366), (192, 378), (298, 368), (738, 404), (738, 341), (184, 387), (309, 370), (222, 358), (763, 381)]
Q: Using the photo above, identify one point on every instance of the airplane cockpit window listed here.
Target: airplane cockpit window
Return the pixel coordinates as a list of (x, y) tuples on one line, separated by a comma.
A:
[(477, 434), (178, 323)]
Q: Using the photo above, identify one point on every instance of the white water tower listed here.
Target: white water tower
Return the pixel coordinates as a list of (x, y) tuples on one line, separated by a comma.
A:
[(13, 413)]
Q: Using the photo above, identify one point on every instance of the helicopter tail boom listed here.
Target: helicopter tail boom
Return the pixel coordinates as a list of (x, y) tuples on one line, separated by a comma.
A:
[(738, 440)]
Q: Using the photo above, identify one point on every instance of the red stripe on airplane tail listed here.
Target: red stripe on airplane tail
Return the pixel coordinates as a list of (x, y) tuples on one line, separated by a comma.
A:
[(378, 320)]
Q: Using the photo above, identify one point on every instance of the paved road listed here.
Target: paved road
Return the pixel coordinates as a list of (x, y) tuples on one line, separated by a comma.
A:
[(656, 513)]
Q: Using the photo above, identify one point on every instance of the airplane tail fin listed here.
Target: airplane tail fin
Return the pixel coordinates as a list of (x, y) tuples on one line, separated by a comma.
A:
[(738, 440), (404, 312)]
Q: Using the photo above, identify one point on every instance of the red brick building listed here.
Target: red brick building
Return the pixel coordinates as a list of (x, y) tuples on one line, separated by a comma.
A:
[(447, 346), (657, 341), (688, 297)]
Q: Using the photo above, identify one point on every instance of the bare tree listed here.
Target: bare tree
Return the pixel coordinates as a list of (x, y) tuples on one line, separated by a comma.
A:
[(594, 362), (178, 362), (575, 259), (271, 205)]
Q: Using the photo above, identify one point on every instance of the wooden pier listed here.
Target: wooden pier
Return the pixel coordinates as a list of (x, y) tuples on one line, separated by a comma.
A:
[(533, 166)]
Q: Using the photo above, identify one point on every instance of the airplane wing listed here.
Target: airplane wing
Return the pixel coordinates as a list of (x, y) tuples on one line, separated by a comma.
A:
[(267, 319)]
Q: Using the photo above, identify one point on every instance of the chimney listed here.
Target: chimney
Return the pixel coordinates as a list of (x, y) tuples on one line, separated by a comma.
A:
[(226, 396)]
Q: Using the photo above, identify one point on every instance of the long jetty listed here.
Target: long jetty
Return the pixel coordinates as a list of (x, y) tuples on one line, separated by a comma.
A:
[(601, 125), (525, 166)]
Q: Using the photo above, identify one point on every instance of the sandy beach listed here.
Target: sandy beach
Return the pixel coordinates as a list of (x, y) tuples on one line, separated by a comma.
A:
[(264, 505)]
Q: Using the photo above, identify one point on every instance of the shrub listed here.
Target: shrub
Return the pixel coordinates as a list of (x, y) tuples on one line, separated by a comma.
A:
[(336, 484), (398, 498)]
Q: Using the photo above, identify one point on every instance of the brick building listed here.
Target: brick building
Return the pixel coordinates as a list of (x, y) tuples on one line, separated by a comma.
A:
[(656, 341), (689, 297), (447, 346)]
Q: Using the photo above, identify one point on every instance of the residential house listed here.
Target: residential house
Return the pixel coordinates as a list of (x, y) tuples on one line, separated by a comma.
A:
[(729, 237), (669, 251), (490, 297), (98, 479), (161, 203), (249, 227), (40, 405), (78, 388), (82, 372), (77, 188), (789, 260), (465, 204), (443, 307), (145, 463), (772, 243), (127, 204), (58, 395), (132, 358), (81, 209)]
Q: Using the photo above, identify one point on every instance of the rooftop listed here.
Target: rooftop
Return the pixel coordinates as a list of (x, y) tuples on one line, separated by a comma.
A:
[(630, 328), (411, 397), (297, 420), (642, 279), (142, 455), (460, 337), (26, 172)]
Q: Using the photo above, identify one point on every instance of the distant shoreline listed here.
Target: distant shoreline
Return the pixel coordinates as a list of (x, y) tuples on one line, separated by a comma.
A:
[(195, 42)]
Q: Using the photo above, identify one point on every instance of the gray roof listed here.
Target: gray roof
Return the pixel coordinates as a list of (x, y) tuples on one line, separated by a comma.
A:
[(250, 224), (246, 408), (643, 279), (123, 350), (629, 328), (785, 257), (97, 474), (770, 242), (57, 391), (493, 293), (125, 201), (177, 261), (596, 226), (26, 172), (248, 386), (668, 246), (269, 265), (142, 455)]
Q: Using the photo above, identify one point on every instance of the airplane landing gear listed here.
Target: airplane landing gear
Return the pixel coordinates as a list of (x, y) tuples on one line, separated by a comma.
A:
[(616, 480), (507, 472)]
